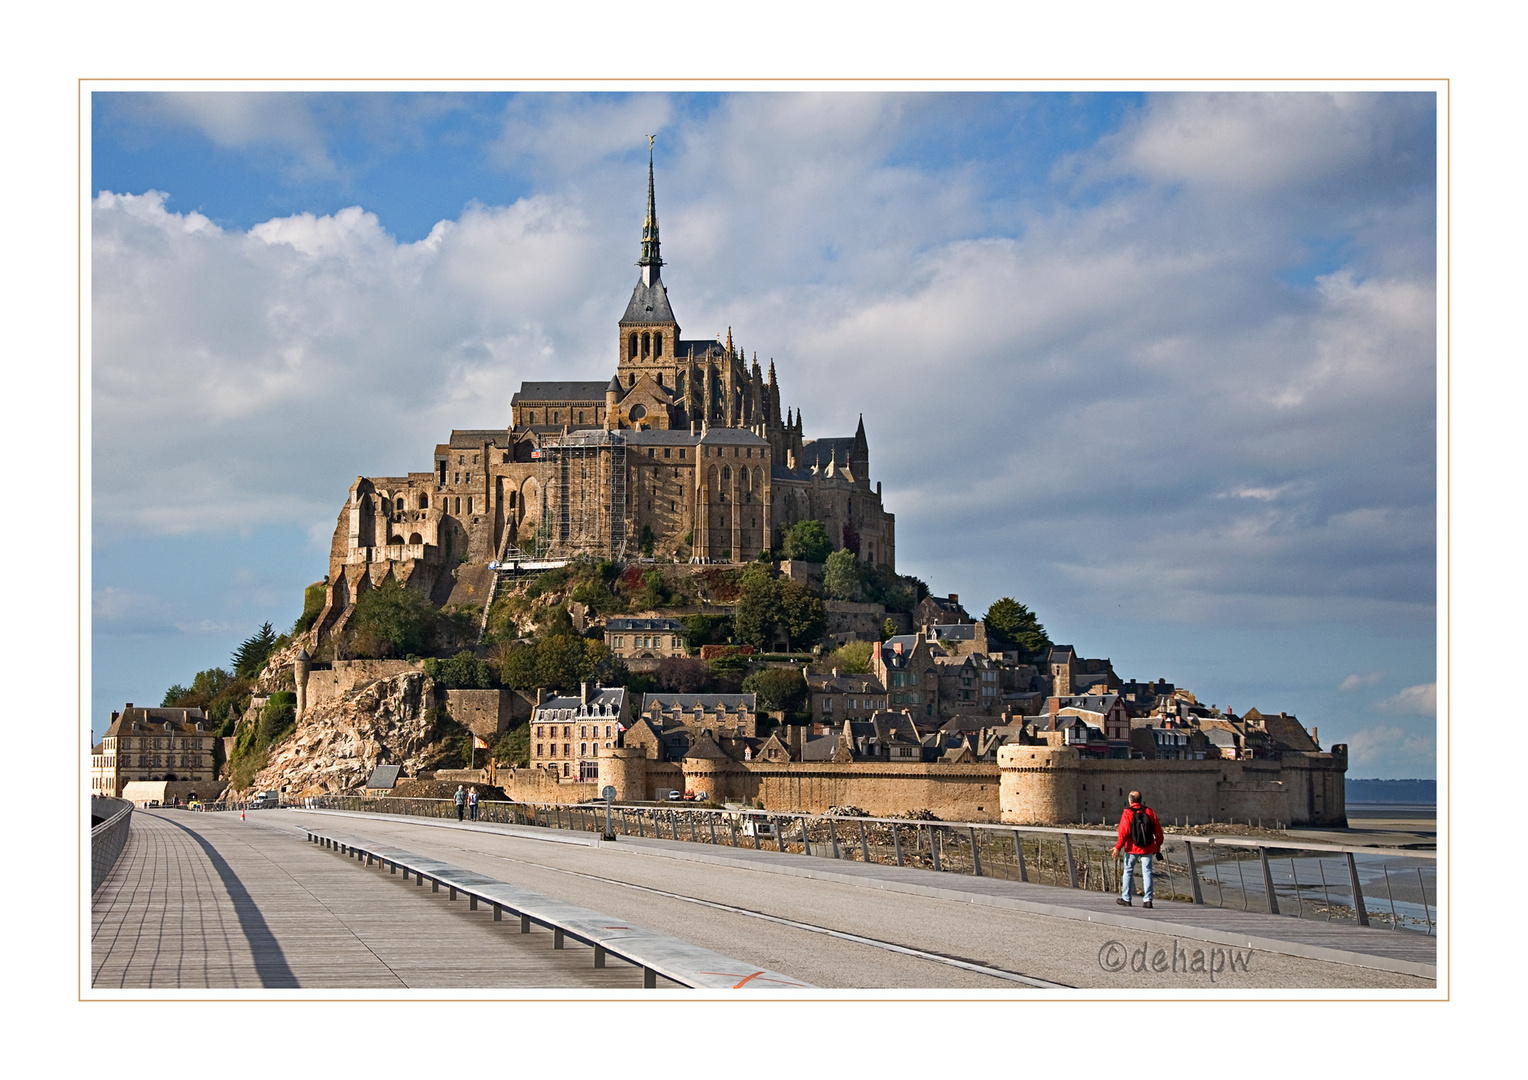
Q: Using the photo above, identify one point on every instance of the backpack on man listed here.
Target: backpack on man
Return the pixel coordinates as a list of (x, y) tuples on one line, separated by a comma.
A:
[(1142, 834)]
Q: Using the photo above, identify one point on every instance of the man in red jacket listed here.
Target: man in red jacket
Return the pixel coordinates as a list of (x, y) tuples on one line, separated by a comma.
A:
[(1140, 834)]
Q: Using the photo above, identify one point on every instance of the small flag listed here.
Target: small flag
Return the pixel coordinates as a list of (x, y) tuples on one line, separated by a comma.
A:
[(478, 744)]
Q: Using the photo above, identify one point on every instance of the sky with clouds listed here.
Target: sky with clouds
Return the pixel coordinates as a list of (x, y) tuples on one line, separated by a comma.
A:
[(1162, 366)]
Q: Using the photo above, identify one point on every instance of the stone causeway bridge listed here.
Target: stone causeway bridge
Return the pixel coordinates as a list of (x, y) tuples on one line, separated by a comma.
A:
[(326, 899)]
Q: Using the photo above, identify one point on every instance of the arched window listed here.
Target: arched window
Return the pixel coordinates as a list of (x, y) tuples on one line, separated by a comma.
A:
[(658, 346), (726, 474), (415, 539), (660, 376), (424, 502), (458, 504), (631, 347), (631, 380), (637, 412), (647, 345), (469, 504)]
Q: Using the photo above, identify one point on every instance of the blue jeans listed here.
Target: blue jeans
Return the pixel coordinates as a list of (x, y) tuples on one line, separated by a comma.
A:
[(1127, 880)]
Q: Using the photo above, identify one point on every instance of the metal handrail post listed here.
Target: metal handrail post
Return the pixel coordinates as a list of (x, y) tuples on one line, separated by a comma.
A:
[(1358, 892), (833, 836), (806, 843), (896, 844), (1071, 865), (976, 855), (1273, 900), (1193, 873), (1018, 851), (933, 845), (865, 844)]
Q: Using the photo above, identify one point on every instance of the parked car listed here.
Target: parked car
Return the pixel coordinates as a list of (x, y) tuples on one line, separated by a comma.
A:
[(676, 796)]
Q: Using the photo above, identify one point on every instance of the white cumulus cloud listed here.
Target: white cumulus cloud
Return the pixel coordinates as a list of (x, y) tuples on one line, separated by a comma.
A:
[(1421, 700)]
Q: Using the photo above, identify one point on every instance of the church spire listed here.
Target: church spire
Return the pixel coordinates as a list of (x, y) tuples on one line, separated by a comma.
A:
[(650, 260)]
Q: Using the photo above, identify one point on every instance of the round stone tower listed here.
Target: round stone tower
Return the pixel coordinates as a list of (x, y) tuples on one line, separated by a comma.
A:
[(625, 769), (300, 669), (1039, 785)]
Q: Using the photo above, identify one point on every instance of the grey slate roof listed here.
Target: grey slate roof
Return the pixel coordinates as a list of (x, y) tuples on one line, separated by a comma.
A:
[(732, 437), (471, 439), (707, 702), (649, 304), (700, 348), (668, 626), (384, 777), (599, 697), (560, 391), (820, 451), (955, 631)]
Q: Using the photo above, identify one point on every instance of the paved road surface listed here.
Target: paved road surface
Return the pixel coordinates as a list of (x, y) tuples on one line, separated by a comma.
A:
[(272, 910)]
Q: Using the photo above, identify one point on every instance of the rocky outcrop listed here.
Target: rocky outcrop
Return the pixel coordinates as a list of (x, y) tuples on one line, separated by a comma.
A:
[(337, 743)]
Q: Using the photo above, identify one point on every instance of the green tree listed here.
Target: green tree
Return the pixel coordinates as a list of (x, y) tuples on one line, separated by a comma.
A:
[(648, 541), (514, 747), (464, 671), (758, 606), (851, 658), (777, 688), (277, 716), (803, 613), (840, 575), (888, 629), (173, 695), (392, 620), (1014, 624), (518, 668), (807, 541), (251, 655)]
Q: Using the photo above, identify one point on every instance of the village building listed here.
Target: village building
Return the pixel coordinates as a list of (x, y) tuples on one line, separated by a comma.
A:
[(837, 697), (645, 639), (567, 732), (669, 725), (172, 745)]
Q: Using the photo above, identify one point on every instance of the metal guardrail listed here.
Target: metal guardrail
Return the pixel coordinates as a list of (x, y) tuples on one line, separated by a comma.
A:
[(1304, 880), (108, 838), (656, 954)]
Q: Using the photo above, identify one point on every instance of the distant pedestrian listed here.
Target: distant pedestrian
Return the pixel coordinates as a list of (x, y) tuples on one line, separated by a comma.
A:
[(461, 801), (1140, 834), (472, 804)]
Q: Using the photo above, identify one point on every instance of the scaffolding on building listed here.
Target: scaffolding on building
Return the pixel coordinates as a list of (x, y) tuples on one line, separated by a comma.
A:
[(582, 475)]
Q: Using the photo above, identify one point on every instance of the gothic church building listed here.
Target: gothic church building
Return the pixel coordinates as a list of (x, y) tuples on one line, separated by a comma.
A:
[(684, 454)]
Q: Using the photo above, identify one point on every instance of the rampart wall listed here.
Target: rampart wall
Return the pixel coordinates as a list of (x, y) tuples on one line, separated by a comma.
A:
[(1030, 785), (329, 683)]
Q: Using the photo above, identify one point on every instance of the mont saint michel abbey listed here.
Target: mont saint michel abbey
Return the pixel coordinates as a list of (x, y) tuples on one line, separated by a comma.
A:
[(685, 454)]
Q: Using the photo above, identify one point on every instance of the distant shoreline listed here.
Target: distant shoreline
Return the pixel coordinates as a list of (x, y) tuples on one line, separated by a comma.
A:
[(1363, 792)]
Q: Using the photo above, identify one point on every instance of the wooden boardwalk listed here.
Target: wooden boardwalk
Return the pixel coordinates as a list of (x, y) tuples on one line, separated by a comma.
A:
[(209, 901)]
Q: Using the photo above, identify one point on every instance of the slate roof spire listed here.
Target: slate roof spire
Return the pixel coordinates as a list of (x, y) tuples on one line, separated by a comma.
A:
[(650, 260)]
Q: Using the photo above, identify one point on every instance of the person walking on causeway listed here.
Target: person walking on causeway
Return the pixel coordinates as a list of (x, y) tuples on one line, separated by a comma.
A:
[(461, 801), (1140, 834)]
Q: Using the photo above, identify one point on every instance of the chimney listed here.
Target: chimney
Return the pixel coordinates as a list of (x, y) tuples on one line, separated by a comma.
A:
[(541, 695), (583, 693), (129, 705), (954, 599), (835, 673), (895, 645)]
